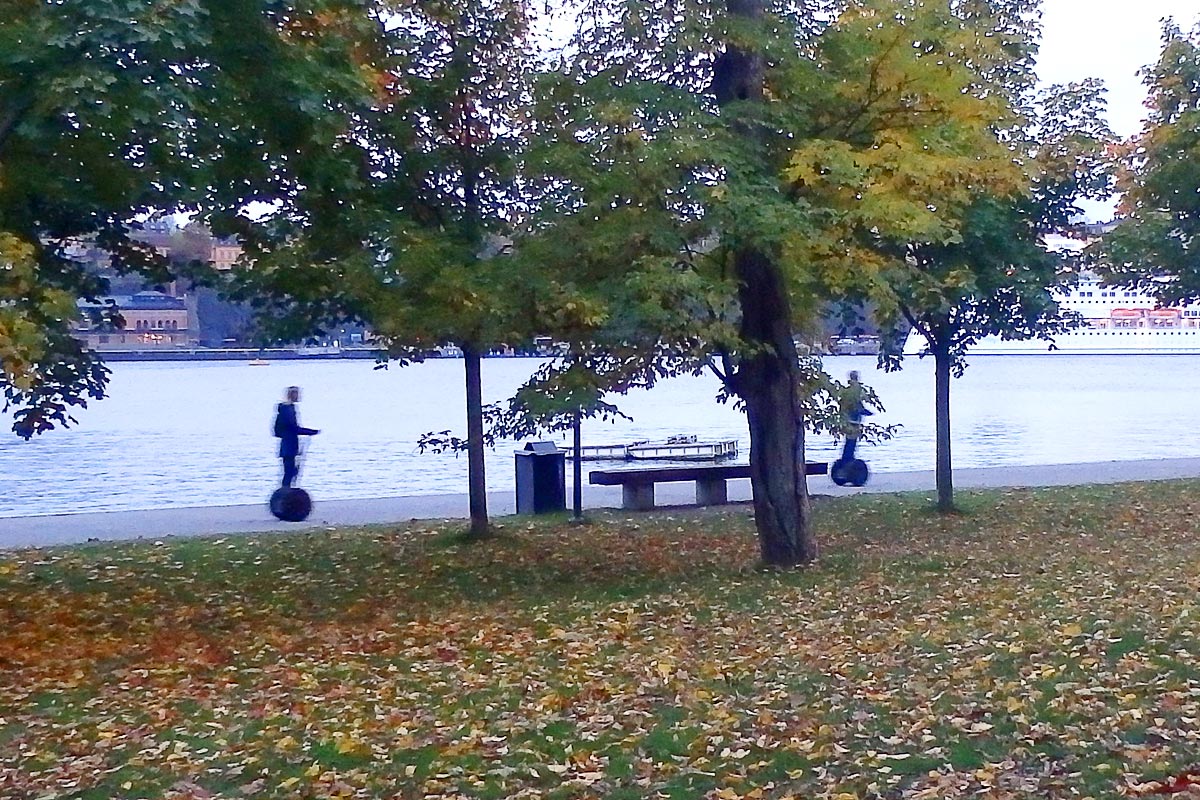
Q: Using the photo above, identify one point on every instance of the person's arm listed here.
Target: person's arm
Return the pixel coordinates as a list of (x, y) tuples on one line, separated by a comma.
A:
[(302, 431), (290, 423)]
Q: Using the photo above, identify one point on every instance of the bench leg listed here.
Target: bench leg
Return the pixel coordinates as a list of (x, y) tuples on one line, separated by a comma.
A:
[(637, 496), (711, 492)]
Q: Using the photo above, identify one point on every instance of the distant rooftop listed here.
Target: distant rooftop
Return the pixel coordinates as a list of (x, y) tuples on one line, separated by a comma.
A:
[(143, 301)]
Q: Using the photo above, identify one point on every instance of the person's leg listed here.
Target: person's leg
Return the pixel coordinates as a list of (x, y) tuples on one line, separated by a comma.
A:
[(848, 448), (289, 470)]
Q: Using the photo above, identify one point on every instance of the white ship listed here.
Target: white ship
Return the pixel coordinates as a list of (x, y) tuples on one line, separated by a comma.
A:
[(1115, 322)]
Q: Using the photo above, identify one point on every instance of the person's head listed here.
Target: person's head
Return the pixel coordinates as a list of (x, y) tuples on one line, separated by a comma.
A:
[(292, 394), (854, 376)]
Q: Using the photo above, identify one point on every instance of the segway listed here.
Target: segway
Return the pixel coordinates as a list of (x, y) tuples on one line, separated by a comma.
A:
[(851, 471), (291, 503)]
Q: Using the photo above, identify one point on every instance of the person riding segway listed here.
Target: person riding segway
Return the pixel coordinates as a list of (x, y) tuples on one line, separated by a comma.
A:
[(290, 503), (848, 469)]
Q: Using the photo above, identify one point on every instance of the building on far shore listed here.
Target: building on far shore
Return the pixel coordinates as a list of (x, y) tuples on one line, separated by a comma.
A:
[(178, 313), (224, 253), (152, 320)]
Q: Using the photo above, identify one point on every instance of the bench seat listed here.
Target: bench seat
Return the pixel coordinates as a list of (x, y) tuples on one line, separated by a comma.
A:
[(637, 485)]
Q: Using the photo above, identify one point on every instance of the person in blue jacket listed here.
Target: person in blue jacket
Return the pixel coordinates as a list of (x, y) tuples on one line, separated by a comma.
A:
[(289, 431), (853, 411)]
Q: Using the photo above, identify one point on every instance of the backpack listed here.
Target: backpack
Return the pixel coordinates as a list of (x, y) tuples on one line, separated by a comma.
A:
[(279, 426)]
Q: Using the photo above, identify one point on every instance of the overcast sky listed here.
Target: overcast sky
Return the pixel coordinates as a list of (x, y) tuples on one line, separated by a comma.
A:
[(1111, 40)]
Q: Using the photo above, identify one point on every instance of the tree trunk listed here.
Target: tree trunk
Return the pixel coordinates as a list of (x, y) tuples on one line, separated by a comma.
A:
[(766, 381), (766, 376), (577, 462), (476, 479), (472, 352), (943, 473)]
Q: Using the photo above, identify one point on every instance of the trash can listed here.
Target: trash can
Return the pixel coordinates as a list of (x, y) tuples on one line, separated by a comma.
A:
[(541, 478)]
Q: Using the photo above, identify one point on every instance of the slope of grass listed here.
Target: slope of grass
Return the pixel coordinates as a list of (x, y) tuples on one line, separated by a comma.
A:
[(1041, 644)]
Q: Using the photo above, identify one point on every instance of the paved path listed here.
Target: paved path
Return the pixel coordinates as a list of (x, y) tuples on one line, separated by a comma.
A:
[(153, 524)]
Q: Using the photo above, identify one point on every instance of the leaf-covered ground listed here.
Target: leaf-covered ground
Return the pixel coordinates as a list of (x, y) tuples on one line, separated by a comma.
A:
[(1042, 644)]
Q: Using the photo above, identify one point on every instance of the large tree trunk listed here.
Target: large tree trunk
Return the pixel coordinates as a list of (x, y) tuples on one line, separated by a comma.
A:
[(943, 474), (766, 381), (476, 480), (766, 378)]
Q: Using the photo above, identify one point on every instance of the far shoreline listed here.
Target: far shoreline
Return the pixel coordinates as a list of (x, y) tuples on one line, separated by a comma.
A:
[(271, 354)]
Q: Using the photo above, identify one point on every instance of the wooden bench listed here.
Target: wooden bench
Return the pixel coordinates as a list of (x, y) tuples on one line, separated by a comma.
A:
[(637, 485)]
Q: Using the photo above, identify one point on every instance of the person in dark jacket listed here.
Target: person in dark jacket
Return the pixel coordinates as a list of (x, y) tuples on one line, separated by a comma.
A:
[(853, 411), (289, 431)]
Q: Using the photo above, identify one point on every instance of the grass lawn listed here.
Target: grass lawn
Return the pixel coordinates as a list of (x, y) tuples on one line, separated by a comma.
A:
[(1041, 644)]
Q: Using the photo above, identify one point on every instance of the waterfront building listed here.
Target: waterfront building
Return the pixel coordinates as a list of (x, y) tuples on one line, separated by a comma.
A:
[(151, 320)]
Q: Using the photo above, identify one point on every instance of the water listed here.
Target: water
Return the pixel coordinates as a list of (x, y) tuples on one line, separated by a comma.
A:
[(199, 433)]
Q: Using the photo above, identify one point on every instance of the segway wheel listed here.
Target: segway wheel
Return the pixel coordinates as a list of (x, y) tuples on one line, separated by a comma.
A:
[(857, 472), (291, 504), (853, 472)]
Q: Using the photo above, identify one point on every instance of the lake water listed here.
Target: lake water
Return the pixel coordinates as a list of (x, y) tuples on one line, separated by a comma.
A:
[(199, 433)]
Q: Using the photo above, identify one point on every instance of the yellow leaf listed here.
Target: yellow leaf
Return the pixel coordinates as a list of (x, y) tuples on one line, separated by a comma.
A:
[(553, 701), (1073, 629), (348, 745)]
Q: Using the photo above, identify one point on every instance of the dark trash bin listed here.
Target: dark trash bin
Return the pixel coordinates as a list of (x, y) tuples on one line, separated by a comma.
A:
[(541, 478)]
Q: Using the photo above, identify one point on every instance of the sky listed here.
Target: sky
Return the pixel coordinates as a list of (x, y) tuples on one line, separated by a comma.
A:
[(1110, 40)]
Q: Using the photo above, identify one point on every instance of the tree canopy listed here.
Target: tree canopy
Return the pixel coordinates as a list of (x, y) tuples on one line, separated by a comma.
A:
[(981, 268), (112, 110), (719, 172), (1156, 244)]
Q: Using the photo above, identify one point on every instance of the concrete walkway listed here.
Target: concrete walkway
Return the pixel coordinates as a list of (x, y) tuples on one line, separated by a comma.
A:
[(61, 529)]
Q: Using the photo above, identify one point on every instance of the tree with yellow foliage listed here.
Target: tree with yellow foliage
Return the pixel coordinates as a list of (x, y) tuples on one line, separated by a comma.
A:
[(720, 169)]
